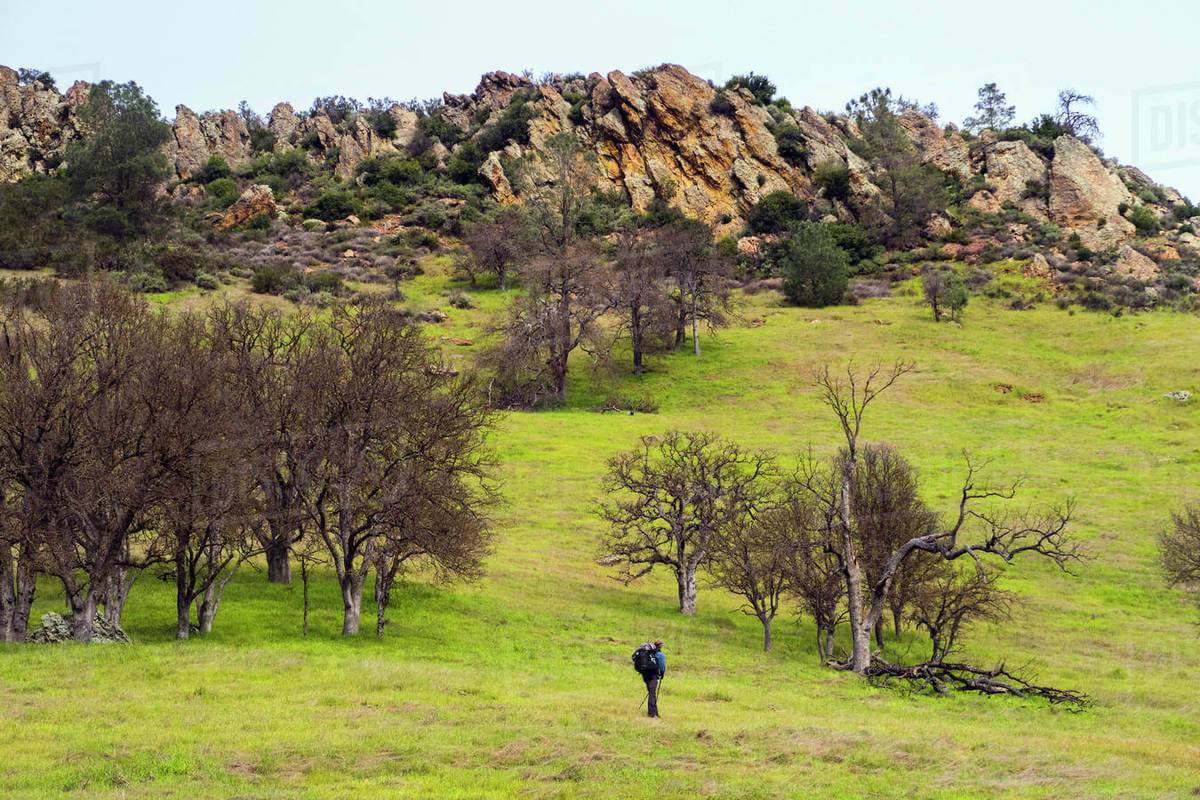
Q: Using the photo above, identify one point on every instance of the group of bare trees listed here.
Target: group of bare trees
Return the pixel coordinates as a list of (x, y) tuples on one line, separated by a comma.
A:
[(134, 440), (848, 541), (649, 285)]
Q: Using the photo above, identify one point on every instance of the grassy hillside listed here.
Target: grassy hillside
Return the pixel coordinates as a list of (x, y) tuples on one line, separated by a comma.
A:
[(520, 685)]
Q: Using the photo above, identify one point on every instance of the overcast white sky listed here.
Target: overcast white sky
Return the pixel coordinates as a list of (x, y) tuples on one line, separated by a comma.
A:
[(1137, 59)]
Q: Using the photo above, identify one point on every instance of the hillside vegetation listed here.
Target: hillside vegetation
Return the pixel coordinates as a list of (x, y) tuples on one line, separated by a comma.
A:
[(520, 684)]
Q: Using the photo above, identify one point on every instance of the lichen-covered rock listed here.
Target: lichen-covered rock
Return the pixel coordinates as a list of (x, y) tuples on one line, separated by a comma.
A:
[(57, 628), (947, 152), (1011, 168), (255, 201), (1083, 191), (196, 139), (1131, 262)]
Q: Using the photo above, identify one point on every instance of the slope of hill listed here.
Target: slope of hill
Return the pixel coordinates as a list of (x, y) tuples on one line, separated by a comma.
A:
[(520, 685)]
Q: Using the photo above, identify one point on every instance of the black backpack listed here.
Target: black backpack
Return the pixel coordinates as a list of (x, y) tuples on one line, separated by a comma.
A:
[(644, 661)]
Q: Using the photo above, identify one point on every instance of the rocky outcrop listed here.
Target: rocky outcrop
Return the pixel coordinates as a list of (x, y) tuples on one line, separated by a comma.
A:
[(658, 133), (254, 202), (1083, 192), (1012, 170), (1136, 265), (946, 151), (57, 629)]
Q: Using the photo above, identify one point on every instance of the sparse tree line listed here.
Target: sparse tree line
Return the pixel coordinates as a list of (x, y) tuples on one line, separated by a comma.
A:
[(847, 542), (652, 284), (138, 442)]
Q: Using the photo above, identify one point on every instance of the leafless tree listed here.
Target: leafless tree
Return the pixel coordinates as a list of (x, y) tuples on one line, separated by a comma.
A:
[(203, 524), (887, 511), (1179, 547), (1071, 117), (753, 560), (566, 295), (392, 429), (79, 406), (640, 293), (952, 599), (266, 352), (700, 273), (972, 532), (498, 243), (814, 574), (673, 497)]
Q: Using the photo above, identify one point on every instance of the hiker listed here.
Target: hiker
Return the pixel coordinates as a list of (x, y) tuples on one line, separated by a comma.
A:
[(651, 664)]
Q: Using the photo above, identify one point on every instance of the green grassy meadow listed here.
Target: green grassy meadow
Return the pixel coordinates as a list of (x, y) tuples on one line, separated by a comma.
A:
[(520, 685)]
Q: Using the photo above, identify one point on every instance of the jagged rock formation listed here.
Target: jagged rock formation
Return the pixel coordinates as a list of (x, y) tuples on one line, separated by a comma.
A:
[(657, 133)]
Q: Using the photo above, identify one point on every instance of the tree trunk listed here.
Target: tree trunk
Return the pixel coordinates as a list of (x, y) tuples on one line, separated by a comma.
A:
[(896, 622), (206, 610), (23, 599), (687, 591), (384, 597), (183, 600), (695, 338), (279, 563), (8, 593), (304, 579), (766, 623), (352, 588), (636, 336), (116, 592), (879, 632), (83, 614)]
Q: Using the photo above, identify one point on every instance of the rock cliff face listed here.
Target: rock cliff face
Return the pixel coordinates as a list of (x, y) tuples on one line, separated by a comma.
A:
[(657, 133)]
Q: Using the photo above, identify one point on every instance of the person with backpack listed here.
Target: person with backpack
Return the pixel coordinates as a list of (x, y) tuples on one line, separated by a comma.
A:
[(651, 664)]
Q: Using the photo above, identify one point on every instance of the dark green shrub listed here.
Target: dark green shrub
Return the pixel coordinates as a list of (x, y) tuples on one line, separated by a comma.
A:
[(206, 281), (789, 143), (324, 282), (776, 212), (223, 191), (812, 266), (759, 85), (1185, 210), (176, 263), (1145, 220), (259, 222), (146, 281), (275, 278), (383, 123), (214, 169), (513, 124), (832, 178), (855, 241), (262, 140), (721, 104), (332, 206), (310, 141)]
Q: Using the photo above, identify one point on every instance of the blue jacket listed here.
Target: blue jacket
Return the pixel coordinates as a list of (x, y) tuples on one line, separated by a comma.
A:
[(662, 662)]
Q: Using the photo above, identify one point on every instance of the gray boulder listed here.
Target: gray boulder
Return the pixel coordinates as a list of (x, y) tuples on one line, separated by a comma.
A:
[(57, 628)]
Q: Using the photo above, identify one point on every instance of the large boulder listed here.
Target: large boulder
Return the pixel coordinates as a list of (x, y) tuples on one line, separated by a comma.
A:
[(255, 201), (946, 151), (1083, 192), (1131, 262), (1011, 167), (57, 629)]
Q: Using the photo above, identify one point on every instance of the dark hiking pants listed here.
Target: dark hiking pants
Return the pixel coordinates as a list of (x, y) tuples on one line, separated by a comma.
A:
[(652, 694)]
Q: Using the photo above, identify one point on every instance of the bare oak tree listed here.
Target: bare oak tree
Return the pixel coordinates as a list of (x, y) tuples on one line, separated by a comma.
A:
[(673, 497), (392, 429), (972, 533)]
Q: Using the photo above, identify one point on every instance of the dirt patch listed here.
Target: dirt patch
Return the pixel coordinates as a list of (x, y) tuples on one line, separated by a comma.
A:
[(1003, 388)]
